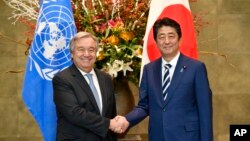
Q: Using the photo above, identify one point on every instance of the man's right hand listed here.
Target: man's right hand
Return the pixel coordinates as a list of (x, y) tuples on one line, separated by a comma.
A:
[(119, 124)]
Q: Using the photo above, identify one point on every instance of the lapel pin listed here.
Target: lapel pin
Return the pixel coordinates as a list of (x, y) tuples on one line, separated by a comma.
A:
[(183, 68)]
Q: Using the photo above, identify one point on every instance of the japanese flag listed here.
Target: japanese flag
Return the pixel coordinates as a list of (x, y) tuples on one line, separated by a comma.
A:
[(177, 10)]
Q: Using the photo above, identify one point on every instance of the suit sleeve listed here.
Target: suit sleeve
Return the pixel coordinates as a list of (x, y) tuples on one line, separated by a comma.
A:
[(204, 101), (67, 106), (140, 112)]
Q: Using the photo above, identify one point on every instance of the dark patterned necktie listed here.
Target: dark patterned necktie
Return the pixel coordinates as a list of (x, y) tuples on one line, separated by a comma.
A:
[(166, 81)]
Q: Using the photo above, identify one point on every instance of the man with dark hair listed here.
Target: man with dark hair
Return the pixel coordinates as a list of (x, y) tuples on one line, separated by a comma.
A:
[(174, 92)]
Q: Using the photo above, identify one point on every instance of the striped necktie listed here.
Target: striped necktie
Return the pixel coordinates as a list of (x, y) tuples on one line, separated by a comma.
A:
[(166, 81)]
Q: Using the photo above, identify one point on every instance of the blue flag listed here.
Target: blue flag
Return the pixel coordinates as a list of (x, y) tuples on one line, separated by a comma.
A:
[(48, 55)]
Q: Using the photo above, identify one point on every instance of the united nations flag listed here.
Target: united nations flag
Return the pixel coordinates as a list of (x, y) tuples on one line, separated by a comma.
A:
[(48, 55)]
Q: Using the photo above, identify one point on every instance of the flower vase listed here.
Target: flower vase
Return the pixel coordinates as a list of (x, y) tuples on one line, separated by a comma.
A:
[(124, 97)]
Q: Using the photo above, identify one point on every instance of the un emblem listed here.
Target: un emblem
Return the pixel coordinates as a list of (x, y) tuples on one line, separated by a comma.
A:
[(50, 48)]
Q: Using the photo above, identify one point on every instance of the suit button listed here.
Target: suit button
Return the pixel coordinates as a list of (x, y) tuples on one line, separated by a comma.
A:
[(164, 109)]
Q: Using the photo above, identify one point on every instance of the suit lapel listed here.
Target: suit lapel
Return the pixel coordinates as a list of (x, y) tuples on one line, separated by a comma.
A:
[(84, 85), (157, 72), (177, 76)]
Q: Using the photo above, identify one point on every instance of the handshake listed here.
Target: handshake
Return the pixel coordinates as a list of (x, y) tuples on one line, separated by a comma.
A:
[(118, 124)]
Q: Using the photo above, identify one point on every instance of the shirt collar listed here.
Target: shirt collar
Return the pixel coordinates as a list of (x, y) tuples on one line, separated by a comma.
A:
[(84, 73), (173, 62)]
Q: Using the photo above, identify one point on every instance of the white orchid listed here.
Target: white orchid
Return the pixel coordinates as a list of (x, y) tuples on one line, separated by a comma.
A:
[(126, 67), (116, 66), (113, 68)]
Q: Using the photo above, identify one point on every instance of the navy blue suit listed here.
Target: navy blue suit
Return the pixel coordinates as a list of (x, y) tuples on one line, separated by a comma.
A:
[(186, 114)]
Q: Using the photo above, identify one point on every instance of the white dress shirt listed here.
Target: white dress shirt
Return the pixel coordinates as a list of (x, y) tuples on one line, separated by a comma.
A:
[(96, 83), (173, 63)]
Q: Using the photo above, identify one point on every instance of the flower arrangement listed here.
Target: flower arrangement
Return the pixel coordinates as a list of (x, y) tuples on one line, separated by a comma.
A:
[(120, 26)]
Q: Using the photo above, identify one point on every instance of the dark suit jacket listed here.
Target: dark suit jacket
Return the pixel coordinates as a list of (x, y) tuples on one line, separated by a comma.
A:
[(78, 115), (186, 115)]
